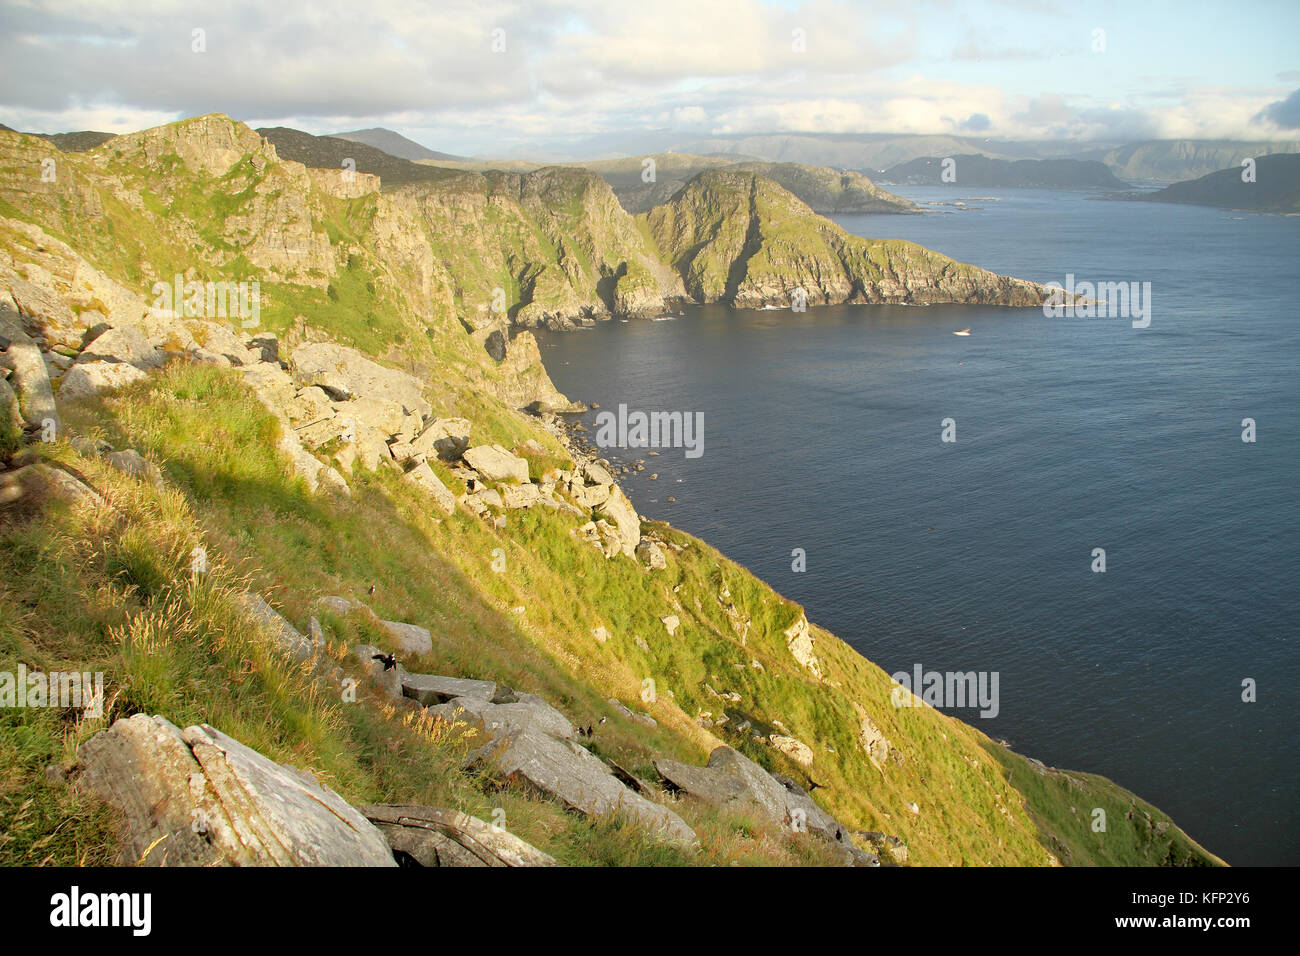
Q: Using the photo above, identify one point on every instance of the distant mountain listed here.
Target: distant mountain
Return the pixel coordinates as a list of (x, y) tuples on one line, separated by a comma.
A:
[(68, 142), (980, 171), (329, 152), (871, 152), (1175, 160), (1276, 187), (394, 144)]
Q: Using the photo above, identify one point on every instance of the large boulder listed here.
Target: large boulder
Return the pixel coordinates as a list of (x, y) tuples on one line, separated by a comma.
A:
[(448, 438), (286, 636), (90, 378), (200, 798), (618, 509), (496, 464), (565, 771), (430, 836), (733, 781), (127, 345), (31, 378), (345, 373), (411, 638), (424, 478), (432, 689)]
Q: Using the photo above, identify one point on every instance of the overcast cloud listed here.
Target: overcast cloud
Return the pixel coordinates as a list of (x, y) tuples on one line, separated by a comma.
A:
[(575, 68)]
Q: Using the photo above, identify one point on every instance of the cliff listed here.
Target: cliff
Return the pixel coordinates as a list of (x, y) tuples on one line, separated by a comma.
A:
[(742, 239)]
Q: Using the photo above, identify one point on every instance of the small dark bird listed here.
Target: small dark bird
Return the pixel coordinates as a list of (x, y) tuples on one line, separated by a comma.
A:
[(371, 592), (589, 730), (389, 660)]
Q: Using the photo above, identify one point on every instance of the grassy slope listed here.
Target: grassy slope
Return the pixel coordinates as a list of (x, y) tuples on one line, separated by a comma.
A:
[(96, 591)]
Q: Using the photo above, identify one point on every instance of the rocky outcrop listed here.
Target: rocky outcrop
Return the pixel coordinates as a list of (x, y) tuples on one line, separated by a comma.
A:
[(200, 798), (429, 836), (799, 641), (344, 373), (733, 781), (528, 742)]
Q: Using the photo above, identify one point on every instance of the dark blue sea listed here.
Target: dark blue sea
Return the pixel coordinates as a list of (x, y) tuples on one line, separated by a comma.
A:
[(822, 432)]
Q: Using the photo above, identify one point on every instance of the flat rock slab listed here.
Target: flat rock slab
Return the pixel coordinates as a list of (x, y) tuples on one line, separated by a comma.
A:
[(526, 712), (431, 836), (732, 780), (431, 689), (199, 798), (563, 770)]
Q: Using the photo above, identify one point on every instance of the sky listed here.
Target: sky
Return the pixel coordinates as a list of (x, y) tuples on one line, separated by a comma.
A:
[(502, 77)]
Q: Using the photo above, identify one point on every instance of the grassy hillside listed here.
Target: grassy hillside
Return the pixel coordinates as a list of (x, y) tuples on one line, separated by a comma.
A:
[(109, 587)]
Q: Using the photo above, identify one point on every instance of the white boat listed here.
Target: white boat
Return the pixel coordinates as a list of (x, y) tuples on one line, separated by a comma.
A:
[(962, 332)]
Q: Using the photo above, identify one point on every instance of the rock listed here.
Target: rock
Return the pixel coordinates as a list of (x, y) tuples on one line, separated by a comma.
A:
[(871, 739), (619, 509), (448, 438), (216, 339), (566, 772), (428, 836), (431, 690), (34, 484), (290, 640), (10, 412), (519, 496), (424, 478), (345, 373), (644, 719), (126, 344), (337, 605), (409, 637), (90, 378), (267, 345), (883, 843), (799, 640), (733, 781), (489, 497), (31, 379), (201, 798), (651, 555), (132, 463), (597, 474), (494, 720), (795, 749), (671, 623), (496, 464)]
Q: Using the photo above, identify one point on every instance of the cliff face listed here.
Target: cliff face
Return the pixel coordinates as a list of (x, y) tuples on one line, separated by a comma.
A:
[(742, 239), (554, 241)]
